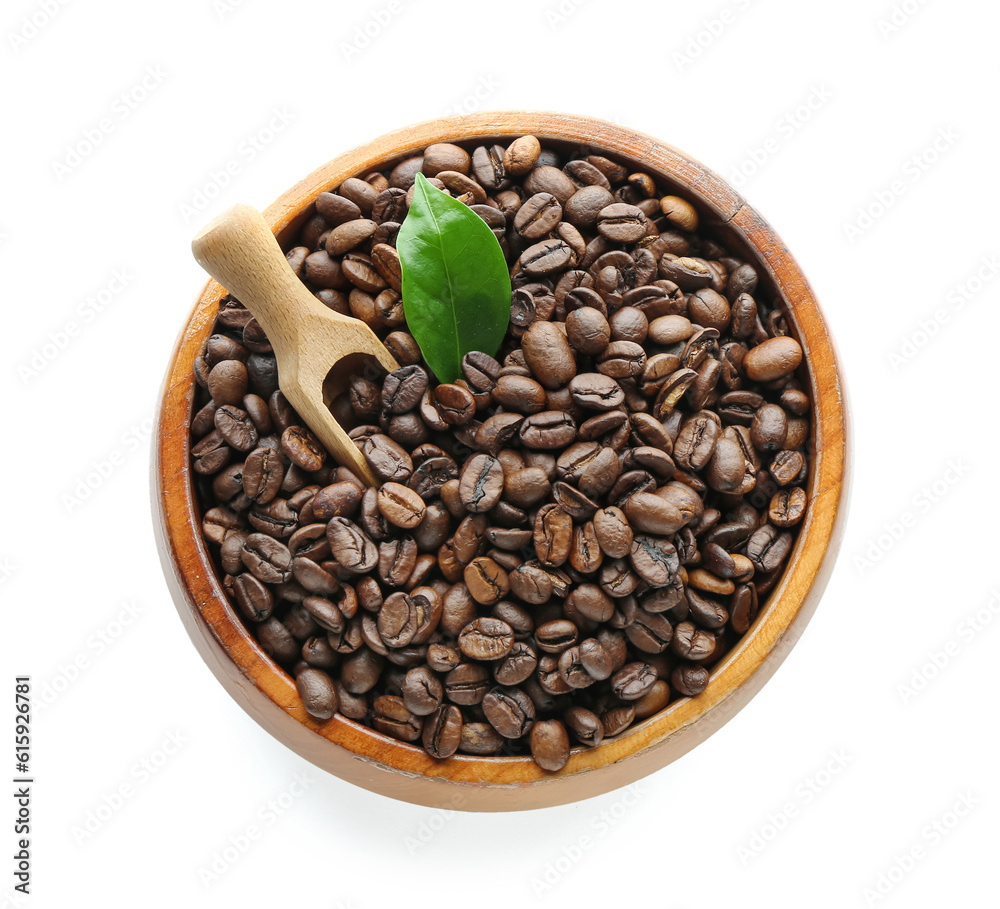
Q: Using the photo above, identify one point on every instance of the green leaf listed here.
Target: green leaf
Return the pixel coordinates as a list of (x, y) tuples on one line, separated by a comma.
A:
[(456, 286)]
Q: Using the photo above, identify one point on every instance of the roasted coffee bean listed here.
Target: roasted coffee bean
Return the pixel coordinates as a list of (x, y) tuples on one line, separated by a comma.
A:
[(351, 546), (537, 216), (318, 693), (467, 684), (396, 560), (594, 391), (403, 388), (391, 716), (228, 382), (556, 636), (650, 632), (530, 583), (442, 731), (480, 738), (689, 679), (547, 353), (692, 643), (787, 467), (704, 611), (486, 639), (621, 223), (696, 443), (277, 641), (517, 666), (633, 681), (727, 466), (262, 475), (422, 692), (550, 745), (455, 404), (267, 558), (400, 505), (622, 360), (655, 560), (650, 513), (387, 459), (585, 725), (481, 484), (548, 430), (769, 428), (787, 507), (254, 599), (510, 711), (613, 533), (772, 359), (398, 620), (743, 608), (768, 548), (486, 580)]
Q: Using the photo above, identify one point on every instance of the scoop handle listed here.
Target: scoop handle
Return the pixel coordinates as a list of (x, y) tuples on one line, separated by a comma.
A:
[(240, 252)]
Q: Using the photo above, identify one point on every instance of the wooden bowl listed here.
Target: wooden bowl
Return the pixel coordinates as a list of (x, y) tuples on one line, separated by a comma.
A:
[(381, 764)]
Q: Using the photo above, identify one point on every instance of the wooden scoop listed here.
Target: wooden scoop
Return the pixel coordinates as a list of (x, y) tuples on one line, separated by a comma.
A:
[(317, 349)]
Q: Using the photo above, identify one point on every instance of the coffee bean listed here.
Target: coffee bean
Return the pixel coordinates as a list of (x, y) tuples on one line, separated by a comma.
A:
[(689, 679), (537, 216), (455, 404), (787, 507), (228, 382), (548, 430), (548, 355), (351, 546), (692, 643), (486, 580), (254, 599), (633, 681), (696, 443), (267, 559), (770, 360), (467, 684), (387, 459), (481, 484), (743, 608), (650, 513), (509, 711), (423, 692), (486, 639), (521, 156), (400, 505), (621, 223), (480, 739), (277, 641), (550, 745), (263, 474), (708, 308), (403, 388), (442, 731), (787, 467), (390, 715), (768, 548), (303, 448), (622, 360), (318, 693), (655, 560), (236, 427)]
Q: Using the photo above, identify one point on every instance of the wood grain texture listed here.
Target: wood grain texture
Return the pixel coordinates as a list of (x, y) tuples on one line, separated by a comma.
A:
[(316, 348), (380, 764)]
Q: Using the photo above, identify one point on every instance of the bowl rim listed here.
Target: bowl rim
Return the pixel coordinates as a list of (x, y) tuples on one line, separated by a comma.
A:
[(379, 763)]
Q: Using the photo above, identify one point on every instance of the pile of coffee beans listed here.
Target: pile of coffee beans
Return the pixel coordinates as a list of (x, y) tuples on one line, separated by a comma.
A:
[(564, 540)]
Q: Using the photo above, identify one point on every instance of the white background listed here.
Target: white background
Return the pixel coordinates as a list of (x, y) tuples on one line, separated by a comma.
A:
[(885, 189)]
